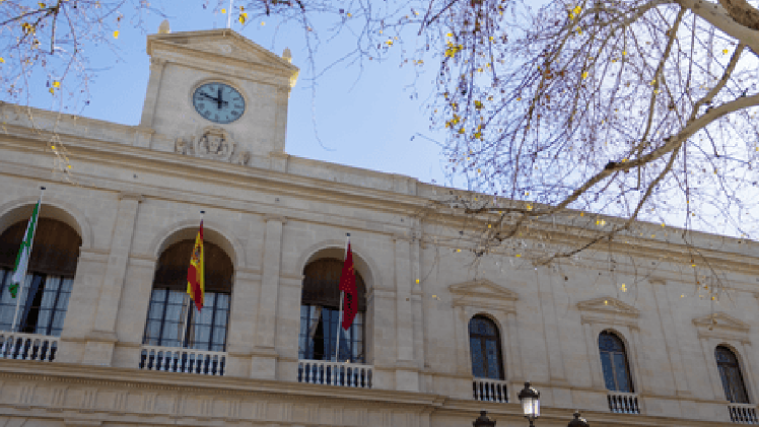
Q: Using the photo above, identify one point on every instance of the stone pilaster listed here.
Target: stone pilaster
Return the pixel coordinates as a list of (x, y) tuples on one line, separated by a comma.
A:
[(407, 370), (667, 322), (102, 337), (157, 67), (265, 355)]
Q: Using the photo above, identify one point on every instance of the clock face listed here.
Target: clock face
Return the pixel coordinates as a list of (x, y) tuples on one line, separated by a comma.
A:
[(218, 102)]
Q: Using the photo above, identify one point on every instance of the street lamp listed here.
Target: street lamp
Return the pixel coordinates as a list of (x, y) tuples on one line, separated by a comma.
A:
[(530, 399), (483, 420), (578, 422)]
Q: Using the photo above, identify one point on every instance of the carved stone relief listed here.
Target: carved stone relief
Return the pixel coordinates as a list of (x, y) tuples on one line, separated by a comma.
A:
[(212, 143)]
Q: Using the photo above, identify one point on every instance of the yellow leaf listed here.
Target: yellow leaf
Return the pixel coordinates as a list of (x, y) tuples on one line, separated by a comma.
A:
[(417, 281), (263, 23), (243, 17), (606, 302), (56, 84), (724, 51), (458, 250), (389, 42), (116, 34), (69, 166), (349, 15), (42, 5), (224, 11), (52, 90), (3, 60), (584, 74), (52, 147), (518, 255)]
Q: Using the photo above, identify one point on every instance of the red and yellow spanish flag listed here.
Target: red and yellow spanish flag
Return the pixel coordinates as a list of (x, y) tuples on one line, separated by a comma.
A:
[(195, 280)]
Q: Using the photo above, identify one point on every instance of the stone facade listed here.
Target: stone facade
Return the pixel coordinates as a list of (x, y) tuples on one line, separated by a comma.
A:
[(135, 190)]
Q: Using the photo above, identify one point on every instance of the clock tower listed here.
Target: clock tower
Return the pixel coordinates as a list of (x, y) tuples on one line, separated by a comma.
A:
[(216, 94)]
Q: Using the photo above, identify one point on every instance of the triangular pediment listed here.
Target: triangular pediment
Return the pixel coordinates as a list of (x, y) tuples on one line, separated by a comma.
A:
[(225, 43), (608, 305), (722, 321), (482, 288)]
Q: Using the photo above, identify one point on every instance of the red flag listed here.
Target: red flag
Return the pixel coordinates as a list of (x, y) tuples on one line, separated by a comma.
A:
[(350, 293)]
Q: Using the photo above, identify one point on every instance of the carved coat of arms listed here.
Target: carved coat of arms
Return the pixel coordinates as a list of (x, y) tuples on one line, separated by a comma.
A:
[(212, 143)]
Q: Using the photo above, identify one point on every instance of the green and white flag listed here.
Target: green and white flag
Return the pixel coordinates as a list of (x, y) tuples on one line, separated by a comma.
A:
[(22, 260)]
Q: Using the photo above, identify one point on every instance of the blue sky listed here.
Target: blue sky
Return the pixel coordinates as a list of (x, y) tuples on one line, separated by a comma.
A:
[(363, 115)]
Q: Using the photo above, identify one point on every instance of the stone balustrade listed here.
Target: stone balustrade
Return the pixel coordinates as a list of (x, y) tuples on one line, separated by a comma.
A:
[(183, 360), (623, 403), (342, 374), (743, 413), (489, 390), (22, 346)]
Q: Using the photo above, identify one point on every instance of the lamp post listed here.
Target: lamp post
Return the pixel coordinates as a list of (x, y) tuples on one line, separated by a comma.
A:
[(530, 399), (483, 420), (578, 422)]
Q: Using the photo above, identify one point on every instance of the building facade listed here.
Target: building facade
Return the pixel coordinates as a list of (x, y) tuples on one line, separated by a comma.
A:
[(104, 336)]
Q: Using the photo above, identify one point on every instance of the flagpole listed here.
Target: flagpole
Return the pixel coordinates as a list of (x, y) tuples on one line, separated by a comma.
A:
[(229, 15), (340, 316), (23, 282), (189, 305)]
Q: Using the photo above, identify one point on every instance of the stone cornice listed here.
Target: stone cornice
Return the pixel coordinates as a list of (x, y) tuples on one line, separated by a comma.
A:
[(92, 376), (287, 185)]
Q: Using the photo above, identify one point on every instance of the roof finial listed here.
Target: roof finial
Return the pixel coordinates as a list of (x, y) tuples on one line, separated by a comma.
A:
[(287, 55), (164, 28)]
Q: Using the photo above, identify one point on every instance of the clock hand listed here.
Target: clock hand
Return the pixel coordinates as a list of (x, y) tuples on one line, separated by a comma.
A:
[(213, 98), (219, 100)]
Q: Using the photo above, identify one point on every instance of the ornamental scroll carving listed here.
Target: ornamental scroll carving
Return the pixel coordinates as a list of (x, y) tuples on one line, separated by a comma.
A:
[(212, 143)]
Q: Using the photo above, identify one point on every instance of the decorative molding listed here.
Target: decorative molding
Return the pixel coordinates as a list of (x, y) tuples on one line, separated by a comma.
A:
[(483, 293), (212, 142), (131, 196), (609, 306), (722, 326)]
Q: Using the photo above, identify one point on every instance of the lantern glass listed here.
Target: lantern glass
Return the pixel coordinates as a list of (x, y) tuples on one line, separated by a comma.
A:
[(531, 407)]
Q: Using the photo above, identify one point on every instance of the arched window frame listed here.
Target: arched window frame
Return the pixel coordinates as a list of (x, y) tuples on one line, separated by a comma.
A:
[(610, 314), (46, 291), (478, 344), (721, 329), (484, 297), (735, 387), (313, 311), (169, 299), (616, 378)]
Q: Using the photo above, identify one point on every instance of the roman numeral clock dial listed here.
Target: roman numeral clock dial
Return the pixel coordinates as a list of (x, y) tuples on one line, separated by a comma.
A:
[(218, 102)]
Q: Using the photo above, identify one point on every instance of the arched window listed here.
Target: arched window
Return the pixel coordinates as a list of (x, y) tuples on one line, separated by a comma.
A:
[(730, 372), (319, 315), (171, 322), (614, 363), (485, 345), (44, 298)]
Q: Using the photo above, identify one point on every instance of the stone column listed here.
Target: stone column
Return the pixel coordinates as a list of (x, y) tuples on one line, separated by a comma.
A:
[(101, 339), (265, 354)]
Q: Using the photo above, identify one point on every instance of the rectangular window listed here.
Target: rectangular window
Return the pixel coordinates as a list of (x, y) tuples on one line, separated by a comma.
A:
[(42, 303)]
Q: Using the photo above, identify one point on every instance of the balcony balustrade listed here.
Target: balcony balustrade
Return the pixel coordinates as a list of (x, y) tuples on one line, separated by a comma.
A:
[(489, 390), (183, 360), (623, 403), (22, 346), (742, 413), (341, 374)]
